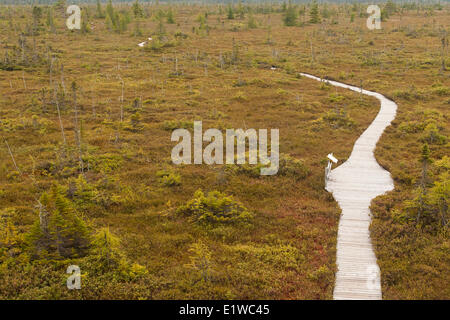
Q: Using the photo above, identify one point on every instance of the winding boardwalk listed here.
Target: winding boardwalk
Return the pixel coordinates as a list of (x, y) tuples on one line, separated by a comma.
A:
[(354, 184)]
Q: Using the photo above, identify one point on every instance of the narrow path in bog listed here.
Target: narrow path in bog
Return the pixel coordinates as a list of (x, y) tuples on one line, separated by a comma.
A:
[(354, 184)]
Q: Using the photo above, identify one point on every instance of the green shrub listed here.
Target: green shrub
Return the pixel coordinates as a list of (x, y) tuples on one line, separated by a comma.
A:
[(157, 45), (9, 235), (441, 91), (252, 170), (180, 35), (106, 257), (84, 193), (279, 255), (200, 260), (168, 179), (170, 125), (432, 135), (411, 94), (282, 92), (240, 96), (324, 86), (213, 208), (334, 97), (13, 176), (322, 274), (105, 163), (251, 23), (288, 166), (339, 119), (411, 126), (292, 167)]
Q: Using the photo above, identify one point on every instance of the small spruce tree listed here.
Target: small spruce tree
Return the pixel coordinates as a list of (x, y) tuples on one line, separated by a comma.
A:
[(59, 232), (99, 14), (290, 17), (314, 13), (137, 10), (169, 16), (230, 13)]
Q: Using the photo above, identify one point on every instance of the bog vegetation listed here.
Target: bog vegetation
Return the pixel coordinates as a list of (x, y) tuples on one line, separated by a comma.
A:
[(86, 176)]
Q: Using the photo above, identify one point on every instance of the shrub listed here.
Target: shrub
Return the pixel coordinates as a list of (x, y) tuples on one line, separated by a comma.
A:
[(13, 176), (432, 135), (159, 44), (213, 208), (200, 260), (321, 274), (251, 23), (282, 92), (339, 118), (334, 97), (411, 126), (170, 125), (411, 94), (106, 256), (9, 235), (280, 255), (292, 167), (85, 194), (168, 179), (240, 96), (252, 170), (180, 35), (105, 251), (324, 86), (288, 166), (441, 91), (105, 163)]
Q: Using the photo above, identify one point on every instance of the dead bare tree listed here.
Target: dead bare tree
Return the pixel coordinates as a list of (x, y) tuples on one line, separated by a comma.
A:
[(12, 157), (176, 65), (23, 79), (55, 97), (444, 41), (77, 127), (62, 79), (121, 99), (44, 100), (221, 60), (361, 92), (43, 217), (51, 70), (94, 113), (22, 46)]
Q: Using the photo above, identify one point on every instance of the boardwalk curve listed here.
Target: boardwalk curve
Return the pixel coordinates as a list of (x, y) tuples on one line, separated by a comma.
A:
[(354, 184)]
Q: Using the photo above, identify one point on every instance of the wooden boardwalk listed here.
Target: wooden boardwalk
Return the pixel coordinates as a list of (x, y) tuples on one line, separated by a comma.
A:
[(354, 184)]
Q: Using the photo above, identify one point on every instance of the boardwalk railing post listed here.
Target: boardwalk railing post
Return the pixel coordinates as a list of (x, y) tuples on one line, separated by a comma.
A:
[(331, 159), (327, 172)]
